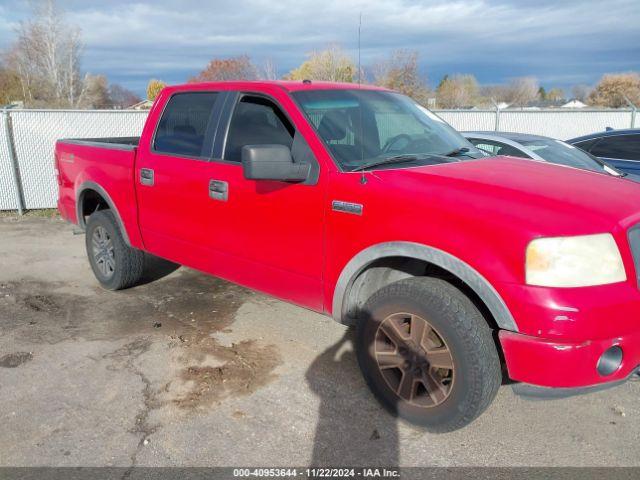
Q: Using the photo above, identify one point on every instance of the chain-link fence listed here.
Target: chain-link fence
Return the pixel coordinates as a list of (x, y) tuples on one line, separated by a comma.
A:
[(27, 139)]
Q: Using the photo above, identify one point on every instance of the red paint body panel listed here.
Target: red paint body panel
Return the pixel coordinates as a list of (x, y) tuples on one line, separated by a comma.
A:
[(111, 169), (249, 239), (285, 239), (544, 362)]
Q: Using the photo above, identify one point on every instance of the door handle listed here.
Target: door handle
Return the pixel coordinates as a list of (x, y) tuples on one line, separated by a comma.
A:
[(218, 190), (146, 176)]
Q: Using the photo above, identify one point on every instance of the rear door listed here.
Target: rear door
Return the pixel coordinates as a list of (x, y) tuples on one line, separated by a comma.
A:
[(621, 151), (172, 176)]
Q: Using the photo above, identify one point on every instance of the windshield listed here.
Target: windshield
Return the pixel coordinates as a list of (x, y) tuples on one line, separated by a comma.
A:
[(556, 151), (361, 127)]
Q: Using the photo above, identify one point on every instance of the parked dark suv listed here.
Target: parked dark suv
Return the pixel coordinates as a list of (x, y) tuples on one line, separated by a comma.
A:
[(620, 148)]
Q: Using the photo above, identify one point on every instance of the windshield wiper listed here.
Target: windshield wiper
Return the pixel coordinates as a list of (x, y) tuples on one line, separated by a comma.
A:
[(458, 151), (389, 160)]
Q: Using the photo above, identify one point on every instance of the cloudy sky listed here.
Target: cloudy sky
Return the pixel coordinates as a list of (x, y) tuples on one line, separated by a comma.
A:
[(562, 42)]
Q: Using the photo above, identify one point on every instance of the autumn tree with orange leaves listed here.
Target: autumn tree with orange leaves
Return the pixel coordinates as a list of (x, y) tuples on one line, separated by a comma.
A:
[(235, 68)]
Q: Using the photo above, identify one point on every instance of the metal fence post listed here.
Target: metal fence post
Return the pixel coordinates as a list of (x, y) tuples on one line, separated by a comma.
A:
[(15, 168), (633, 111), (497, 125)]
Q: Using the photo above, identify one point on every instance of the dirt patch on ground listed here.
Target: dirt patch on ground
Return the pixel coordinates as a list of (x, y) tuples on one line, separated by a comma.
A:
[(40, 303), (186, 308), (247, 367), (13, 360), (187, 303)]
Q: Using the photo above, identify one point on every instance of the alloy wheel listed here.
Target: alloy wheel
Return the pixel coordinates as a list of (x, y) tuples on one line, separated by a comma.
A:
[(414, 360)]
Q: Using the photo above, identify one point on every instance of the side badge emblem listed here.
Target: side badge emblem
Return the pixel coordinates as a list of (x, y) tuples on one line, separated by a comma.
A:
[(346, 207)]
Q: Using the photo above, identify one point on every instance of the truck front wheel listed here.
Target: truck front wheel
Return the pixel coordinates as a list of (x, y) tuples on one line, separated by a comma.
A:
[(114, 263), (427, 353)]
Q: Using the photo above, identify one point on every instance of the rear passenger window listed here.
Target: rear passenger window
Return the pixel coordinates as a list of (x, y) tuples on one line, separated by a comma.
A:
[(625, 147), (485, 145), (182, 129), (257, 121), (586, 145), (497, 148)]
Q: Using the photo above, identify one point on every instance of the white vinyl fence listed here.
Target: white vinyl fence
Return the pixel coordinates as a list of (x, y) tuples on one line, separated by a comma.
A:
[(27, 139), (556, 123)]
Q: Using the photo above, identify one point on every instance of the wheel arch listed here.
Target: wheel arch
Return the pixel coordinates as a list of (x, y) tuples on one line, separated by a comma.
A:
[(385, 263), (92, 188)]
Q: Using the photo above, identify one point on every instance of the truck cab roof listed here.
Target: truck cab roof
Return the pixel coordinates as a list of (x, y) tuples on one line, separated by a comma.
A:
[(288, 85)]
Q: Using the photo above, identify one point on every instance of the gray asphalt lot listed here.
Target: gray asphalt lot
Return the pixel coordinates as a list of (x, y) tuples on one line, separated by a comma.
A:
[(188, 370)]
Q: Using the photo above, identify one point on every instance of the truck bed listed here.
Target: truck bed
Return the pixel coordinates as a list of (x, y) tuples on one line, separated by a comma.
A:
[(104, 166), (114, 143)]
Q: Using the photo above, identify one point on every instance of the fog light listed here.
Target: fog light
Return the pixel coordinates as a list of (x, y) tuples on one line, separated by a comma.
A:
[(610, 361)]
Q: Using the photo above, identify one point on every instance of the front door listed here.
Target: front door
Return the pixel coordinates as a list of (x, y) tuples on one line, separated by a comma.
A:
[(269, 233)]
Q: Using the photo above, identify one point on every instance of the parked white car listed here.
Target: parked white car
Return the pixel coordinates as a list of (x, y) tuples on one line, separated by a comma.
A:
[(538, 147)]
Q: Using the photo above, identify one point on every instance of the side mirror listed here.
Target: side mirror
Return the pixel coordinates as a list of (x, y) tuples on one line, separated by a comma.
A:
[(272, 162)]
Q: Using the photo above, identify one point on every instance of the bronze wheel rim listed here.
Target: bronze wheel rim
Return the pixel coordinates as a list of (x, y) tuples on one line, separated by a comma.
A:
[(414, 360)]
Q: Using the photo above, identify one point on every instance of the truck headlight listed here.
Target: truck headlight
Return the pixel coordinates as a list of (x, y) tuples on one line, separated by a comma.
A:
[(579, 261)]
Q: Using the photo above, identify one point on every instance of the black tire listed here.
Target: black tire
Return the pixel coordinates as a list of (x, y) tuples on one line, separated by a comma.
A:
[(126, 264), (465, 390)]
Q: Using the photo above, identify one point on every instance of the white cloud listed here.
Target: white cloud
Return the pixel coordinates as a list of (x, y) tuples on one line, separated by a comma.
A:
[(165, 37)]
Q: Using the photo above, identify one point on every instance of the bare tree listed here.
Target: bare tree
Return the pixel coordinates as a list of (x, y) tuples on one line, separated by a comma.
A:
[(269, 70), (121, 97), (46, 56), (522, 91), (494, 93), (400, 72), (457, 91), (581, 92), (95, 92)]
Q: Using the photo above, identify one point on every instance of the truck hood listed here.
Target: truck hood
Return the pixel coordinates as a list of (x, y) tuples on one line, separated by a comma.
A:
[(533, 193)]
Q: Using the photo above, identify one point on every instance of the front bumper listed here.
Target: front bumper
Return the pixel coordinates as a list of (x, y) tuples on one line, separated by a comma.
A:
[(554, 363)]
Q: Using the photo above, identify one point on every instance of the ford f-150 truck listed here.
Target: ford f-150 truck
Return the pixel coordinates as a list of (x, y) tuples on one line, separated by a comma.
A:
[(457, 272)]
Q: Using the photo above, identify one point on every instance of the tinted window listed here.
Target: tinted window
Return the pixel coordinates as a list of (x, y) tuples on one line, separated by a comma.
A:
[(586, 144), (556, 151), (363, 126), (257, 121), (183, 126), (626, 147), (497, 148)]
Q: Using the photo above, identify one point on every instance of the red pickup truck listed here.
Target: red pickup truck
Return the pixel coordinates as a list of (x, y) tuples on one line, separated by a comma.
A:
[(358, 203)]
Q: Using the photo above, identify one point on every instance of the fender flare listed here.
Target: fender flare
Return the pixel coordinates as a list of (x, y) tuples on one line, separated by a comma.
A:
[(89, 185), (442, 259)]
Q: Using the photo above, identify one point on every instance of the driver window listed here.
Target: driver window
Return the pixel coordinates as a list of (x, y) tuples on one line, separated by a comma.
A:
[(336, 127), (257, 121)]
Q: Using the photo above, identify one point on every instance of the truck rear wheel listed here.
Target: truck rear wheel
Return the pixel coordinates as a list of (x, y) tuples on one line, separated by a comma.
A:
[(114, 263), (427, 353)]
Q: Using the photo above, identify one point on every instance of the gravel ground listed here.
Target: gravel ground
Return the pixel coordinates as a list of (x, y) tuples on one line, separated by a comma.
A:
[(188, 370)]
